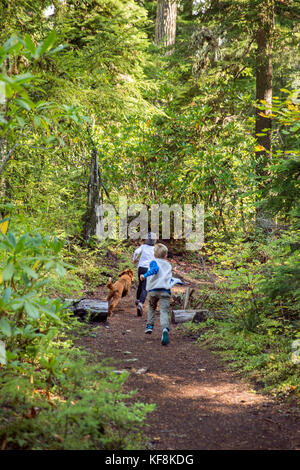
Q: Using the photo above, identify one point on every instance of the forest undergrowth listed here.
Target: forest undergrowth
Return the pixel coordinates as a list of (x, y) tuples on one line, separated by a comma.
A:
[(95, 108)]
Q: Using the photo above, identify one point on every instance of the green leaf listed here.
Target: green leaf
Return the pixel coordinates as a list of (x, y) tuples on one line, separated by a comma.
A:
[(57, 49), (5, 327), (49, 265), (20, 245), (20, 121), (45, 45), (49, 312), (60, 270), (7, 294), (17, 304), (31, 310), (12, 45), (30, 272), (8, 272), (24, 78), (24, 104), (12, 239), (37, 121), (29, 44)]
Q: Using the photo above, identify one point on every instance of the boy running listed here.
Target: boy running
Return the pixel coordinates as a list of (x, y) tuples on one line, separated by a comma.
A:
[(159, 283)]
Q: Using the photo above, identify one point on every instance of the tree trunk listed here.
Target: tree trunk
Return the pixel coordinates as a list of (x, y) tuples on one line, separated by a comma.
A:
[(91, 217), (264, 78), (165, 25)]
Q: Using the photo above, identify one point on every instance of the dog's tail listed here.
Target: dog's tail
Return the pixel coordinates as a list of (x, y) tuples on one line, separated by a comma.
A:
[(109, 284)]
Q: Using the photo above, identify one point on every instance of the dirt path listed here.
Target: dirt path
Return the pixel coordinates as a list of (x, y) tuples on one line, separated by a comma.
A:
[(199, 404)]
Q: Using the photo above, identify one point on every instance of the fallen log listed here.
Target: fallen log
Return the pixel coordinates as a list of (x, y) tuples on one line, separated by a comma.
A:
[(196, 316), (89, 309), (181, 316)]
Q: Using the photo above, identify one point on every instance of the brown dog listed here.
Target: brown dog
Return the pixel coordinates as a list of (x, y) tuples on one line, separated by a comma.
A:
[(119, 289)]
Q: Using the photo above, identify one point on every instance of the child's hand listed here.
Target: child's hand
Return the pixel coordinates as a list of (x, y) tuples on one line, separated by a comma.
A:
[(142, 277)]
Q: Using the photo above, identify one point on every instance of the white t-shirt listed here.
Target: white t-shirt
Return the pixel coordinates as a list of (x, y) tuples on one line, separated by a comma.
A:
[(146, 253)]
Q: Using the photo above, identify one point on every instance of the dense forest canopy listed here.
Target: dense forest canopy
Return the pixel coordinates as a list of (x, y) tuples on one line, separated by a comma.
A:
[(162, 102), (166, 126)]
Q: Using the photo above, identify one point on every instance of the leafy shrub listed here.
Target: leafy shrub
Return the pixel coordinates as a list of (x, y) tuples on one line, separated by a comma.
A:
[(25, 268), (51, 395), (68, 404), (259, 298)]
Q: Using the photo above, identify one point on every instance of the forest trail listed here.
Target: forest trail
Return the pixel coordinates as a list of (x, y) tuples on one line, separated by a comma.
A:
[(199, 404)]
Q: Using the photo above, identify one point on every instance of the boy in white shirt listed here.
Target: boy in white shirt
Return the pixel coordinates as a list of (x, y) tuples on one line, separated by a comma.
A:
[(159, 284), (143, 255)]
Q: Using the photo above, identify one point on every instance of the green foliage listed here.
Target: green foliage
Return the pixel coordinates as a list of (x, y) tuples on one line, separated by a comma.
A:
[(62, 402), (94, 264), (51, 396), (168, 129), (258, 296), (263, 356), (27, 122), (281, 282), (26, 264), (282, 191)]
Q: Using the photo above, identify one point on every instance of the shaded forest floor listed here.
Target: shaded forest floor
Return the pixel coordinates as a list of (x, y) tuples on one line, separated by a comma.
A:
[(200, 405)]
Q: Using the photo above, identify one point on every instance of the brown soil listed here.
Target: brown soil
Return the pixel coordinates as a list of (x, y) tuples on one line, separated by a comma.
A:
[(199, 403)]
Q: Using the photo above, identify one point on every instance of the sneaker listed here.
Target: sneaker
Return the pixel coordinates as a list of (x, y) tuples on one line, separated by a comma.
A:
[(149, 329), (165, 337), (139, 309)]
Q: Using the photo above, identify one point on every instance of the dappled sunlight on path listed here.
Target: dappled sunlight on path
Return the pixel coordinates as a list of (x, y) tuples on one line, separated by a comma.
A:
[(199, 404)]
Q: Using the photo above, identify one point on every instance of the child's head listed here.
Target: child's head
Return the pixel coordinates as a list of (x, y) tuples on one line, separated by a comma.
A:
[(151, 239), (160, 250)]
